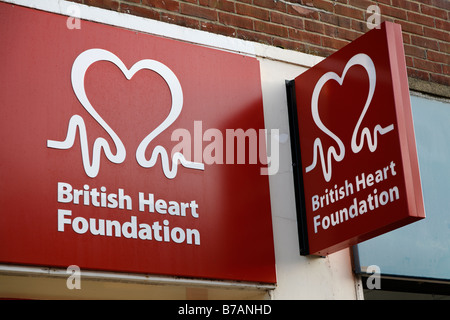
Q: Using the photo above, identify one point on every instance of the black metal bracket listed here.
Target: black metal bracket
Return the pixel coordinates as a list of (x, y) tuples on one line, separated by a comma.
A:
[(297, 168)]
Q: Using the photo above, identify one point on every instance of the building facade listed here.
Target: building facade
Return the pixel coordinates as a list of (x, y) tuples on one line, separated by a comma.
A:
[(286, 38)]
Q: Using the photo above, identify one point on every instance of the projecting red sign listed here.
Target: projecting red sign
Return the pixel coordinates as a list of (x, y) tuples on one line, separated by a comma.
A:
[(356, 144), (122, 151)]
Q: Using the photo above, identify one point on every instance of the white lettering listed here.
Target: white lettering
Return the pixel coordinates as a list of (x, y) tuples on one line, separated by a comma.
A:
[(316, 223), (98, 197), (87, 196), (64, 192), (129, 229), (76, 225), (371, 203), (62, 220), (315, 202), (149, 202), (162, 207)]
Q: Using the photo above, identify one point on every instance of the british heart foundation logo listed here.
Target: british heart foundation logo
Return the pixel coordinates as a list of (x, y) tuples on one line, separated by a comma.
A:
[(359, 136), (79, 68), (113, 153), (359, 169)]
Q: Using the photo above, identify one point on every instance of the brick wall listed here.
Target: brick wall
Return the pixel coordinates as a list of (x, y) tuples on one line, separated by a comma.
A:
[(317, 27)]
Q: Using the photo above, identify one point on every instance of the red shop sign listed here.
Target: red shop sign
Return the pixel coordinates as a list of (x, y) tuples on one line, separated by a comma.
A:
[(97, 127), (356, 167)]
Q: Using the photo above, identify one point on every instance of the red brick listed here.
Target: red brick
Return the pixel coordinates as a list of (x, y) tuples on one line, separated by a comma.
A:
[(438, 57), (253, 36), (392, 12), (444, 4), (302, 12), (433, 11), (420, 18), (387, 18), (333, 43), (415, 51), (441, 79), (406, 38), (319, 51), (218, 28), (275, 5), (362, 4), (427, 1), (288, 44), (235, 20), (424, 42), (270, 28), (252, 11), (427, 65), (444, 47), (360, 26), (106, 4), (406, 4), (323, 4), (335, 20), (169, 5), (342, 33), (442, 24), (180, 20), (286, 20), (446, 68), (437, 34), (419, 74), (314, 26), (223, 5), (349, 12), (145, 12), (304, 36), (409, 61), (410, 27), (199, 12)]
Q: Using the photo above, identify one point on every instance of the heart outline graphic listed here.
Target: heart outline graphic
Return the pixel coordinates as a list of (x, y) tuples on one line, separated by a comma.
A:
[(79, 68), (366, 62)]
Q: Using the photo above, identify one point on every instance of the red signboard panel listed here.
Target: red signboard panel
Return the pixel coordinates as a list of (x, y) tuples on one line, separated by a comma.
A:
[(358, 156), (93, 170)]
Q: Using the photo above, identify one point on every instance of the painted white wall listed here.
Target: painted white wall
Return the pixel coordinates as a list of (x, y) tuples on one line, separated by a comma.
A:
[(298, 277)]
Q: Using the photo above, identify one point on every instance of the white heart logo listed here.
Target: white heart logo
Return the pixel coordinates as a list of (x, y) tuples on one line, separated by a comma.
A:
[(366, 62), (79, 68)]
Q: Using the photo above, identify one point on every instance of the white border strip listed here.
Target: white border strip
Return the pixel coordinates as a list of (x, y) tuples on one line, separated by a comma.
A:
[(172, 31), (50, 272)]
